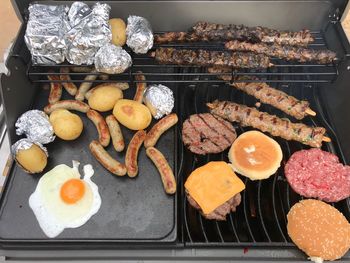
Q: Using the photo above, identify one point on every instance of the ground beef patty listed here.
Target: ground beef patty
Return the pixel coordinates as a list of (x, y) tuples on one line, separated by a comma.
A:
[(205, 133), (318, 174), (220, 212)]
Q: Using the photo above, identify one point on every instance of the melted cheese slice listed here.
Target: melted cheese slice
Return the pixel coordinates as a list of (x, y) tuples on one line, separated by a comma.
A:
[(212, 185)]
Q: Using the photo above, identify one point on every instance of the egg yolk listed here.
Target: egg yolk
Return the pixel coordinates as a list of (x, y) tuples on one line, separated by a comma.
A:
[(72, 191)]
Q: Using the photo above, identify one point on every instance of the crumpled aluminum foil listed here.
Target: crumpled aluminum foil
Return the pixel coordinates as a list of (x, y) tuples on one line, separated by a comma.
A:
[(25, 144), (112, 59), (139, 34), (46, 28), (89, 31), (36, 126), (159, 99)]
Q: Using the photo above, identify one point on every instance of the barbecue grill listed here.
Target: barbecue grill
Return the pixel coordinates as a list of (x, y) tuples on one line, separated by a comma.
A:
[(166, 228)]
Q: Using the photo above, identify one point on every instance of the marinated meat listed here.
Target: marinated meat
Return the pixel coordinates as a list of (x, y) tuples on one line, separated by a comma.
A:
[(206, 133), (318, 174), (220, 212)]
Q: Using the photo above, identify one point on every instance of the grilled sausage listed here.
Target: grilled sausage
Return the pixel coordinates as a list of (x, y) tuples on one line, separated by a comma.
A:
[(103, 133), (140, 87), (81, 69), (116, 133), (159, 128), (68, 105), (103, 157), (85, 86), (132, 153), (164, 169), (120, 85), (70, 87), (55, 89)]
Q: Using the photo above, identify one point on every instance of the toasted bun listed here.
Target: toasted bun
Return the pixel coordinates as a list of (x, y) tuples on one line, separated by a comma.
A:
[(255, 155), (319, 229)]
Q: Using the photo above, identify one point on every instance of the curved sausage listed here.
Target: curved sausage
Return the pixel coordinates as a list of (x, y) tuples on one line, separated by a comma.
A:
[(140, 87), (55, 89), (103, 133), (68, 105), (159, 128), (116, 133), (103, 157), (164, 169), (69, 86), (132, 153), (85, 86)]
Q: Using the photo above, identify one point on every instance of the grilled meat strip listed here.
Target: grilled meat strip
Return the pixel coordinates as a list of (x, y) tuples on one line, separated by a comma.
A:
[(249, 116), (220, 212), (202, 57), (284, 52), (219, 32), (170, 37)]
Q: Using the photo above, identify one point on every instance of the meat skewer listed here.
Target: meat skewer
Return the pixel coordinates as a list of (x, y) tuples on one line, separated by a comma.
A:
[(249, 116), (321, 56), (219, 32), (202, 57), (170, 37)]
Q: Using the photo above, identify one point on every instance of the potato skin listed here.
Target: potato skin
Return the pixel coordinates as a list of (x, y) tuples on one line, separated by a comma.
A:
[(33, 159), (118, 29), (132, 114), (66, 125), (104, 98)]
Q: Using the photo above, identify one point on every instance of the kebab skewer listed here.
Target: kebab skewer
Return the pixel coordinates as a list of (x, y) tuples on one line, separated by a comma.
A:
[(202, 57), (249, 116)]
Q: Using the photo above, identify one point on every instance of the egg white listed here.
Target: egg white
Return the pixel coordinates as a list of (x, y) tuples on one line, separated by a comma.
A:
[(52, 213)]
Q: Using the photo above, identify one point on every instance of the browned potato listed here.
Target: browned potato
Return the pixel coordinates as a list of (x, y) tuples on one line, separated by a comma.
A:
[(33, 159), (104, 98), (118, 29), (66, 125)]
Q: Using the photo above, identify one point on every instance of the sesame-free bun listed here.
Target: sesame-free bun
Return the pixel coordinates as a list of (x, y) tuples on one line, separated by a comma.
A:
[(319, 229), (255, 155)]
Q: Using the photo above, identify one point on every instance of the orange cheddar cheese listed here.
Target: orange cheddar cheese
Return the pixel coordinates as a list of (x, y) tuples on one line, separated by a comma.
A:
[(212, 185)]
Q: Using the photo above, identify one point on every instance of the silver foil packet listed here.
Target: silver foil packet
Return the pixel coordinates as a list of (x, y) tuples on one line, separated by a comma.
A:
[(36, 126), (25, 144), (44, 37), (89, 30), (159, 99), (111, 59), (139, 34)]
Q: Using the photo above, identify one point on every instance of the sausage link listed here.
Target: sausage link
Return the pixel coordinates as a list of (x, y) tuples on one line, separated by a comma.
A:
[(81, 69), (85, 86), (164, 169), (159, 128), (103, 76), (103, 157), (69, 86), (112, 84), (103, 133), (68, 105), (132, 153), (55, 89), (116, 133), (140, 87)]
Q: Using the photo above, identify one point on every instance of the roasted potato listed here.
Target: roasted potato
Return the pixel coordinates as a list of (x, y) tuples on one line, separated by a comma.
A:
[(66, 125), (118, 29), (33, 159), (104, 98), (132, 114)]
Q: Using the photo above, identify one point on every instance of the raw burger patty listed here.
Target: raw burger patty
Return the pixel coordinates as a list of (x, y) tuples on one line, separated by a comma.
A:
[(318, 174), (205, 133)]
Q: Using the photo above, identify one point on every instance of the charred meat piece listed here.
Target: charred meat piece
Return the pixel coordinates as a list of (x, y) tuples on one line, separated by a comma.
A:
[(321, 56), (220, 212), (249, 116), (219, 32), (169, 37), (205, 133), (202, 57)]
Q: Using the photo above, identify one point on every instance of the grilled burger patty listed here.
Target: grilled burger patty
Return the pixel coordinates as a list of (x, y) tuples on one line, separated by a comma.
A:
[(220, 212), (205, 133)]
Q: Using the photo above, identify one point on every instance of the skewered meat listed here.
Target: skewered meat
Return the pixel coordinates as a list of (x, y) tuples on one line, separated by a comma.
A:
[(202, 57), (219, 32), (249, 116), (169, 37), (321, 56)]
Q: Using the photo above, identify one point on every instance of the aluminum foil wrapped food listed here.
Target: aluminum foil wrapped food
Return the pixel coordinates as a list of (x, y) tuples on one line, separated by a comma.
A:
[(89, 30), (111, 59), (45, 33), (139, 34), (159, 99), (36, 126), (31, 162)]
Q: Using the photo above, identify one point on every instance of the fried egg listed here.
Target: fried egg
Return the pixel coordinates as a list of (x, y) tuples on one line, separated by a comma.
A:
[(63, 200)]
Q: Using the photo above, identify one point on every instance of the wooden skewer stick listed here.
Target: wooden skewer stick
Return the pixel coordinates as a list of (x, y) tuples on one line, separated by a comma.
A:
[(310, 112), (326, 139)]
